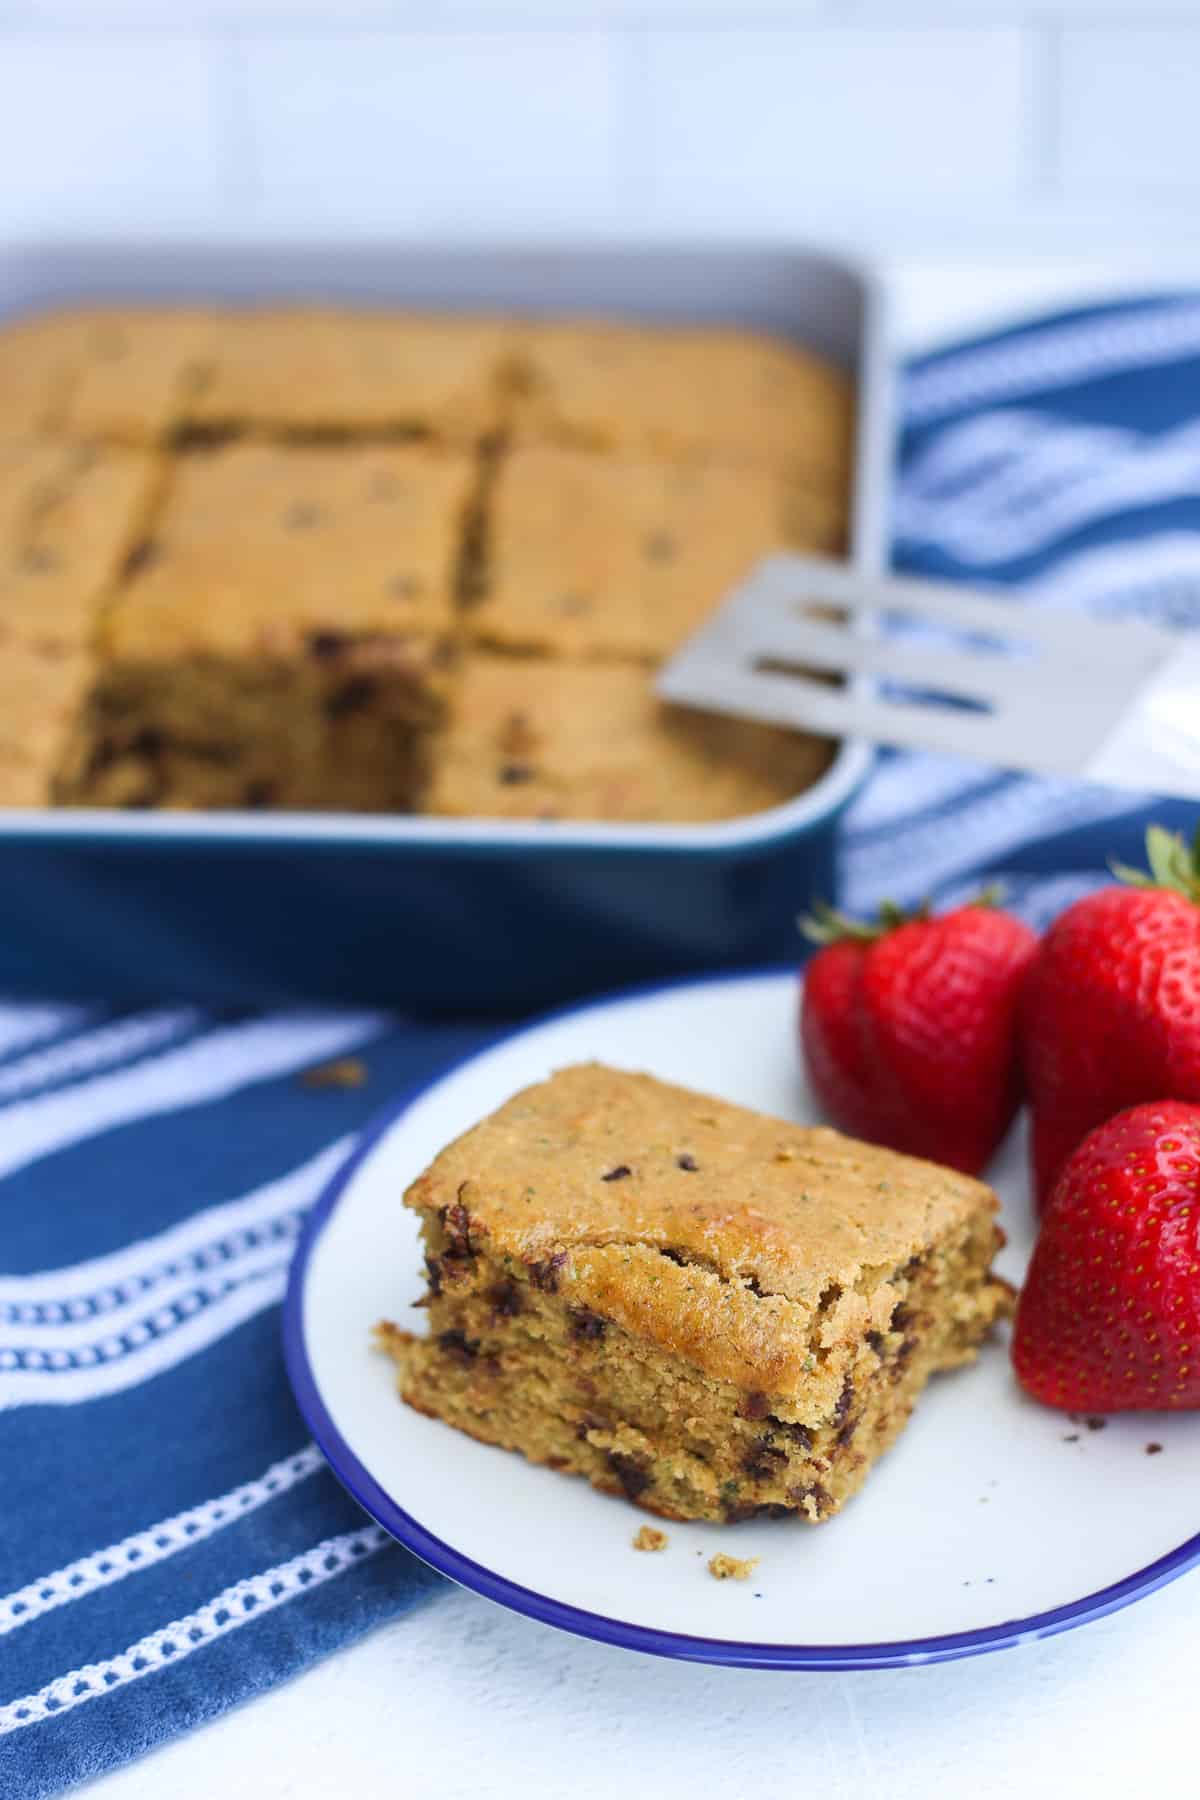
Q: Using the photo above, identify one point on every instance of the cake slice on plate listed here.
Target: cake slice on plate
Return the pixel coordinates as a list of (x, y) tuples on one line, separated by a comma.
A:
[(715, 1313)]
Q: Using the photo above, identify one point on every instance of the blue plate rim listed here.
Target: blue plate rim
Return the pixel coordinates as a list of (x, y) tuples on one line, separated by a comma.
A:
[(446, 1560)]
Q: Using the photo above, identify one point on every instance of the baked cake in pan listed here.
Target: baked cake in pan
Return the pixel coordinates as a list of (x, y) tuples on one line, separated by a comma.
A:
[(269, 558)]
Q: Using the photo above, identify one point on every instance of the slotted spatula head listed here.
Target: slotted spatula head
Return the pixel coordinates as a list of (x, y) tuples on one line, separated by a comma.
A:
[(818, 646)]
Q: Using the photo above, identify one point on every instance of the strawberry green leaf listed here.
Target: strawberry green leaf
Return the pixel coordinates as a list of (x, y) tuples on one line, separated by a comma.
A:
[(1174, 864), (824, 925)]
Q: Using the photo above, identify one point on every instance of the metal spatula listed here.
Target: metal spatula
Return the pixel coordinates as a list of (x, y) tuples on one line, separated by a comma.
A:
[(932, 666)]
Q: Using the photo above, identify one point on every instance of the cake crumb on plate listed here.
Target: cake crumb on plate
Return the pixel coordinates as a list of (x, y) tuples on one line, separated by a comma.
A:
[(732, 1568), (650, 1538)]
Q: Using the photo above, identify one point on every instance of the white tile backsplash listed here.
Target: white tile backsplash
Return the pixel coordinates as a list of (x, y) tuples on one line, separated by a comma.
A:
[(112, 136), (987, 123), (488, 132), (771, 129), (984, 12), (1130, 123)]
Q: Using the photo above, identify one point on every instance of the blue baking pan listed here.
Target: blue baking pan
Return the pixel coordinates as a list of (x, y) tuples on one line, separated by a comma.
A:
[(441, 915)]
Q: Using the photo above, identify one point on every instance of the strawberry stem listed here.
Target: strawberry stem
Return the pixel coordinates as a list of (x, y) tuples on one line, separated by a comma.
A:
[(824, 925), (1174, 864)]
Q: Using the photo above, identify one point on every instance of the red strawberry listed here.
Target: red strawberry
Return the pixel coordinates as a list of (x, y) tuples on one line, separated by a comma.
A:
[(1109, 1318), (909, 1029), (1112, 1007)]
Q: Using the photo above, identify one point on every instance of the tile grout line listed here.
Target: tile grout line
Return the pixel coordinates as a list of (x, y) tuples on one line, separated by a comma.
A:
[(635, 154), (239, 172), (1045, 76)]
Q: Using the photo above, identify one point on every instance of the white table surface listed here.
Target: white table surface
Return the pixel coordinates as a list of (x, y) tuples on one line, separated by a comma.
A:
[(465, 1699)]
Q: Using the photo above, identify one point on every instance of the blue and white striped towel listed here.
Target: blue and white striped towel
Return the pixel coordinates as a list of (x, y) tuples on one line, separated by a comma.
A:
[(171, 1542), (1061, 458)]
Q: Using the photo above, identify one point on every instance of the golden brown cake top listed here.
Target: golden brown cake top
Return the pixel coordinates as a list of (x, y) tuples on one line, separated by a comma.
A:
[(116, 374), (132, 371), (315, 368), (37, 356), (41, 691), (593, 555), (68, 519), (536, 740), (687, 391), (740, 1241), (263, 549)]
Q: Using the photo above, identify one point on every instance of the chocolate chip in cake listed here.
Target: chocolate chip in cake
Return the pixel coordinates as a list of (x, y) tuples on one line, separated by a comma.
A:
[(353, 696), (799, 1434), (433, 1274), (816, 1493), (512, 774), (458, 1346), (759, 1460), (622, 1172), (302, 515), (257, 794), (325, 645), (687, 1162), (455, 1221), (844, 1401), (103, 753), (875, 1340), (544, 1274), (148, 742), (505, 1298), (660, 546), (630, 1473), (753, 1405), (587, 1326), (752, 1509)]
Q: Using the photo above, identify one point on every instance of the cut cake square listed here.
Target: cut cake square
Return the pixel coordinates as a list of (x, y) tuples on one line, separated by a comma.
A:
[(528, 740), (285, 637), (603, 556), (716, 1313)]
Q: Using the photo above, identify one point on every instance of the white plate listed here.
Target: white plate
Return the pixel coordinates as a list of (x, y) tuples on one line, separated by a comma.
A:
[(993, 1521)]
